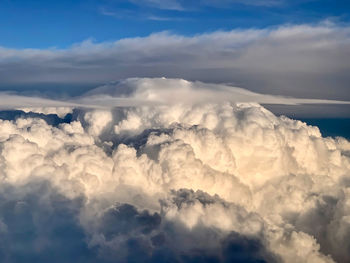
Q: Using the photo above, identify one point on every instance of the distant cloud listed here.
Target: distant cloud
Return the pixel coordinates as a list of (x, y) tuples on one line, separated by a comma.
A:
[(183, 5), (223, 3), (122, 13), (169, 10), (300, 61), (166, 18), (152, 91), (161, 4)]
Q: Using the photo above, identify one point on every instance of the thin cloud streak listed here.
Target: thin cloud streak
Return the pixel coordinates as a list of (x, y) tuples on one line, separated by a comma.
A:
[(161, 4), (183, 5)]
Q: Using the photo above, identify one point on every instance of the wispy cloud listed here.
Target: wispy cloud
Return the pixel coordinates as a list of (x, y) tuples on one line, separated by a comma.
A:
[(130, 14), (225, 3), (166, 18), (104, 11), (190, 5), (155, 7), (117, 13), (179, 10), (161, 4)]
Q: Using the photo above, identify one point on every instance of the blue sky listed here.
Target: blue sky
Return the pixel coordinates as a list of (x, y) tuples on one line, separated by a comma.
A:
[(43, 24)]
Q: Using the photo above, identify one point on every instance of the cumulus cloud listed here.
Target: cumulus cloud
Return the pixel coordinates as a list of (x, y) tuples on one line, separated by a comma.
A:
[(290, 60), (175, 182)]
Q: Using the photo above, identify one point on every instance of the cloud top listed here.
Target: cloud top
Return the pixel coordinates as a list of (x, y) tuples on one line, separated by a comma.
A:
[(153, 91)]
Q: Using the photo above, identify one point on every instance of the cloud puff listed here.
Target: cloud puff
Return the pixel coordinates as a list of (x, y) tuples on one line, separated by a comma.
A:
[(291, 60), (209, 182)]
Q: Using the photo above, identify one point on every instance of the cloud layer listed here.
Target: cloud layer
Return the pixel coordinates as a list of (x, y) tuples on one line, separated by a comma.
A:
[(202, 182), (291, 60), (150, 91)]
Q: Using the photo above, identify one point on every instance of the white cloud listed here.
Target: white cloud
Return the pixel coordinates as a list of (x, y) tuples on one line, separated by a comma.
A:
[(154, 181), (150, 91)]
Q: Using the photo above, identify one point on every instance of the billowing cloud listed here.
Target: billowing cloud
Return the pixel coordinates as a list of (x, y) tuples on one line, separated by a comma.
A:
[(201, 182), (292, 60)]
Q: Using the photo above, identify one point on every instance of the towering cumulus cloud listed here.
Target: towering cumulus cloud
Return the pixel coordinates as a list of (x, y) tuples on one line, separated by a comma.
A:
[(210, 181)]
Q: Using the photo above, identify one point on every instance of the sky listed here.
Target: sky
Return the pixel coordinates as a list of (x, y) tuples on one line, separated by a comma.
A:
[(174, 131), (59, 24), (279, 47)]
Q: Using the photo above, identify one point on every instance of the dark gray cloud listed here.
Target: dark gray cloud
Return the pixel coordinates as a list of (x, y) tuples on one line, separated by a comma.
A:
[(38, 224), (301, 61), (140, 236)]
